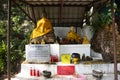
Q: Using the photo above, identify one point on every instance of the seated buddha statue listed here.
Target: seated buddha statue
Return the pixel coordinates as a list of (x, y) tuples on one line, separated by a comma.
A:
[(85, 40), (43, 31), (73, 36)]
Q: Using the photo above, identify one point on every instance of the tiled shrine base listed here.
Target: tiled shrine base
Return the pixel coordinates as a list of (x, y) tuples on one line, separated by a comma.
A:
[(86, 69)]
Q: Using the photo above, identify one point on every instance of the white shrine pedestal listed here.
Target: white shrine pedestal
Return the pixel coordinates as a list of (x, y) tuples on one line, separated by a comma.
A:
[(41, 53), (79, 68), (38, 51), (86, 69)]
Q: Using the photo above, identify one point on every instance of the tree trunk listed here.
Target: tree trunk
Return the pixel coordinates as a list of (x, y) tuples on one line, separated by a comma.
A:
[(102, 42)]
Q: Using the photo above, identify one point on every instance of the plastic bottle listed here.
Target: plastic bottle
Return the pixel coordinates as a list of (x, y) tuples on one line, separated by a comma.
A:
[(31, 71)]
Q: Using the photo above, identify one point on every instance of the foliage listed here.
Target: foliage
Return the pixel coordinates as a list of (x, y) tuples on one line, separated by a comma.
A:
[(3, 29), (100, 21), (3, 63), (3, 12), (103, 17), (18, 39), (16, 57)]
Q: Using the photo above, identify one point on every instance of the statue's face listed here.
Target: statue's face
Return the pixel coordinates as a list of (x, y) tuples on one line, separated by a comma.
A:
[(72, 28)]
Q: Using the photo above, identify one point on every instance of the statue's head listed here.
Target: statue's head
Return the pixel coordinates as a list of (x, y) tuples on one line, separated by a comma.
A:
[(44, 14), (72, 28)]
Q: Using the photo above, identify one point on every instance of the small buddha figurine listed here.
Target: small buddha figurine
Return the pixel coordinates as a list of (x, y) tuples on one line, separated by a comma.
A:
[(42, 41), (73, 36), (85, 40)]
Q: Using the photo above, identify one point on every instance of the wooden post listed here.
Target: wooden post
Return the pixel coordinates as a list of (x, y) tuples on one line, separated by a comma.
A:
[(114, 40), (8, 40)]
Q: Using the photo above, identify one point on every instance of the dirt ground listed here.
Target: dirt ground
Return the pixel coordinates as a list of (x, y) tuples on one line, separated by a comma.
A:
[(5, 77)]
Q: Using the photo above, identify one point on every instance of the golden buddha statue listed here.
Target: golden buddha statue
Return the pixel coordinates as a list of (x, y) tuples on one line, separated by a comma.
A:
[(85, 40), (72, 35), (43, 31)]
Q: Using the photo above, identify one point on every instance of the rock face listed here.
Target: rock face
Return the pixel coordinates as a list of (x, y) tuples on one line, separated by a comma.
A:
[(102, 42), (118, 23)]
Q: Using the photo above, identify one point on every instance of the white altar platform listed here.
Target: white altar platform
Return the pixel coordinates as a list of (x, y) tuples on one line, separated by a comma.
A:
[(86, 69)]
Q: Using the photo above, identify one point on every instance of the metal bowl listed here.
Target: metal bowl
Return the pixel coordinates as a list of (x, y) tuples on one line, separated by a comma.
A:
[(46, 74), (97, 73)]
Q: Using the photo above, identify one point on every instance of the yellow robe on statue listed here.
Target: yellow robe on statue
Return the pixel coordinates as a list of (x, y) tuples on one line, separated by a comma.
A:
[(73, 35), (44, 26), (85, 40)]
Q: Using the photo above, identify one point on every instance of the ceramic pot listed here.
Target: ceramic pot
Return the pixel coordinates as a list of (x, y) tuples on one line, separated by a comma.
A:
[(97, 73), (46, 74)]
